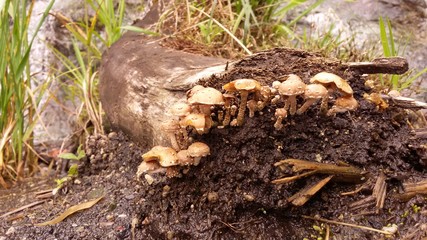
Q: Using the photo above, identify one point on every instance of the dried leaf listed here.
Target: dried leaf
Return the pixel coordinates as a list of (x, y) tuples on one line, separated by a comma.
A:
[(70, 211)]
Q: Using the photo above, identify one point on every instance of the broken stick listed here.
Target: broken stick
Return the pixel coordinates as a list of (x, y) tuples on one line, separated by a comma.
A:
[(390, 65)]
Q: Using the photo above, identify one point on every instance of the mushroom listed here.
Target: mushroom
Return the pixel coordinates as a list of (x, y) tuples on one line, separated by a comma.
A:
[(180, 109), (252, 106), (184, 159), (196, 120), (291, 88), (312, 93), (281, 113), (343, 104), (266, 94), (166, 156), (205, 99), (148, 167), (193, 90), (198, 150), (227, 106), (331, 82), (171, 127), (244, 87)]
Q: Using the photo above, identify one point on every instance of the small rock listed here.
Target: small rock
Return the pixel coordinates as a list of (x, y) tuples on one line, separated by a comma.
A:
[(77, 181), (213, 197), (122, 216), (130, 197), (392, 229), (112, 135), (11, 230), (166, 190), (249, 197), (106, 224), (109, 217)]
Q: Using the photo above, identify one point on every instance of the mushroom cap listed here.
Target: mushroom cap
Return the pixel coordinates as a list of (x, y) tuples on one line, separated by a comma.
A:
[(180, 109), (196, 120), (170, 125), (315, 91), (184, 158), (292, 86), (346, 103), (198, 149), (207, 96), (193, 90), (166, 156), (242, 84), (147, 167), (326, 78), (281, 112)]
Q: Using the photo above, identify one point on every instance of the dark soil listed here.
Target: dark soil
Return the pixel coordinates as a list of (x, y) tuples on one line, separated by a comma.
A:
[(230, 194)]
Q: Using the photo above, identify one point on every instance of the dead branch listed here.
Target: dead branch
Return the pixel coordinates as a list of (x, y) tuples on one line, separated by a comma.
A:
[(391, 65), (302, 196)]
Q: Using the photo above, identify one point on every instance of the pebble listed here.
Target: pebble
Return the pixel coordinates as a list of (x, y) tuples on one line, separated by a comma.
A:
[(249, 197), (122, 216), (212, 197), (109, 217), (112, 135), (77, 181)]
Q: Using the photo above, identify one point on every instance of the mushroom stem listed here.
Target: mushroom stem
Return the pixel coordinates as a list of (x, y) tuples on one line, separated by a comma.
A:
[(324, 105), (242, 108), (292, 104), (280, 113), (173, 140), (306, 105)]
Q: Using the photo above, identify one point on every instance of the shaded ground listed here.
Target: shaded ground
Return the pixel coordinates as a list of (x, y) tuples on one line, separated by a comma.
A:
[(230, 195)]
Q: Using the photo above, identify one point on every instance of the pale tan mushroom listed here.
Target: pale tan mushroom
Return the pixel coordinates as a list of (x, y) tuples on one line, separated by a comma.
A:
[(171, 127), (281, 113), (227, 105), (252, 106), (332, 82), (184, 159), (244, 87), (148, 167), (193, 90), (205, 99), (198, 150), (166, 156), (266, 94), (291, 88), (180, 109), (195, 120), (343, 104), (312, 94)]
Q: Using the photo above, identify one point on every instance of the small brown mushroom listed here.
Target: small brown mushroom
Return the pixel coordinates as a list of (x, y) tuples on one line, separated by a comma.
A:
[(332, 82), (205, 99), (171, 127), (343, 104), (291, 88), (166, 156), (312, 93), (227, 105), (184, 159), (198, 150), (266, 94), (252, 106), (195, 120), (193, 90), (244, 87), (281, 113), (180, 109), (148, 167)]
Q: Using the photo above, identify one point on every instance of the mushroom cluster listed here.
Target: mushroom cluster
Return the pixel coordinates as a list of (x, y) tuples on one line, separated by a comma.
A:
[(206, 107)]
